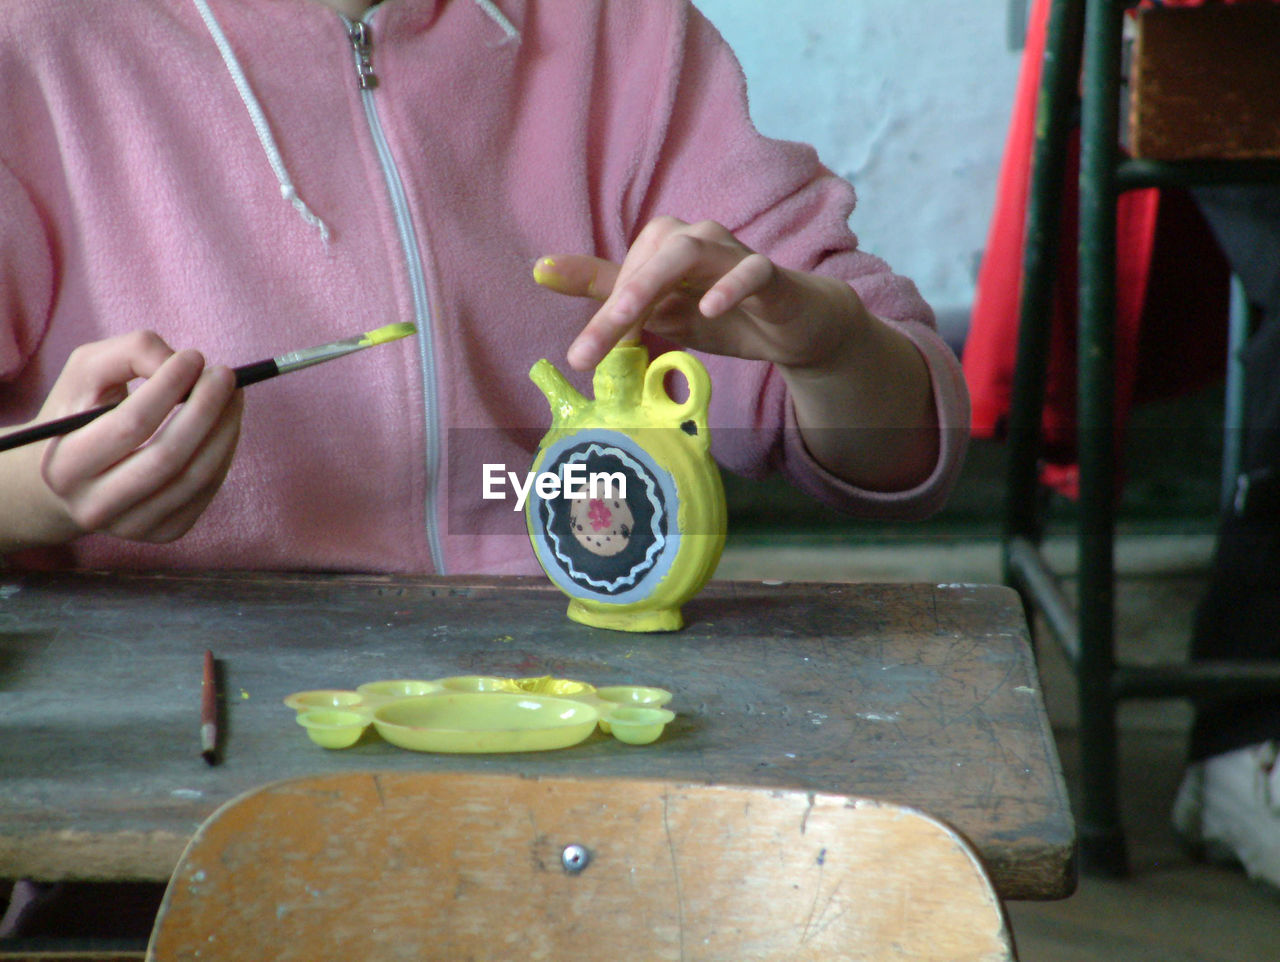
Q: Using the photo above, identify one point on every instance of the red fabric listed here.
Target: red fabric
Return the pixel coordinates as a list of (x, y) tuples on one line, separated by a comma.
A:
[(1155, 230)]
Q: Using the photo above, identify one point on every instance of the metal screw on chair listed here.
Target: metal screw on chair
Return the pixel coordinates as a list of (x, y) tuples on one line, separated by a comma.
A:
[(574, 858)]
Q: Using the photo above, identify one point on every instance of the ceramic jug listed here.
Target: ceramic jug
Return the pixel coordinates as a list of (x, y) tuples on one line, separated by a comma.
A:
[(635, 523)]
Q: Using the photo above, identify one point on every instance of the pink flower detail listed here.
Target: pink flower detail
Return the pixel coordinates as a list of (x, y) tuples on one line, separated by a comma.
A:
[(600, 516)]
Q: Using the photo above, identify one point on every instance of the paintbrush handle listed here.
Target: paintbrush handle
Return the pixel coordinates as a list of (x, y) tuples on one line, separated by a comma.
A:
[(51, 429), (245, 375), (257, 371)]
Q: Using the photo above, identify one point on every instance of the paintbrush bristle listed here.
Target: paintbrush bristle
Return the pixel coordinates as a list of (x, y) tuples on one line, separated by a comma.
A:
[(392, 332)]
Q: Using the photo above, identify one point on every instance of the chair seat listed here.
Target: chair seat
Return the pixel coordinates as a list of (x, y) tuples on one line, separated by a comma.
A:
[(454, 866)]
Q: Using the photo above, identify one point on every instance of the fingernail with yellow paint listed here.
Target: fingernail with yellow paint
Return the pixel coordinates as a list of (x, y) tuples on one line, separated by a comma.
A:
[(547, 275)]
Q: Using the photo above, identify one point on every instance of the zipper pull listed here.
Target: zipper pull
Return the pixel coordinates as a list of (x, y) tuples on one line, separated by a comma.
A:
[(362, 42)]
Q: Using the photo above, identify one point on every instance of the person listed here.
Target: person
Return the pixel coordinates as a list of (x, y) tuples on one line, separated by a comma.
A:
[(190, 184), (1228, 803), (271, 175)]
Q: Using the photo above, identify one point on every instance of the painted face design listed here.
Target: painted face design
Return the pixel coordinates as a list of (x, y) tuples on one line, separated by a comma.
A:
[(601, 525), (617, 538)]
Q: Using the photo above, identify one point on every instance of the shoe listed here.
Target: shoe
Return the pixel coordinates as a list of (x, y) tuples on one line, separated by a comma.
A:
[(1228, 807)]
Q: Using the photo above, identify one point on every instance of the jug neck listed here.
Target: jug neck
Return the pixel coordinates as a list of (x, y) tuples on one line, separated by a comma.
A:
[(619, 377)]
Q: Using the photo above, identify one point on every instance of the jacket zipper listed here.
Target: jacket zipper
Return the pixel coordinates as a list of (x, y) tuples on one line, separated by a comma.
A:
[(360, 33), (362, 40)]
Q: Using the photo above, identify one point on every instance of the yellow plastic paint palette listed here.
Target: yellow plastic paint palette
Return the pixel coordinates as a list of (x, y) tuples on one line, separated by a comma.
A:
[(480, 713), (485, 722)]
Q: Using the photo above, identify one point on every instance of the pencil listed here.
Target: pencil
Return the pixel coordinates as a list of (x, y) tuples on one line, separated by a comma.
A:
[(245, 375), (209, 711)]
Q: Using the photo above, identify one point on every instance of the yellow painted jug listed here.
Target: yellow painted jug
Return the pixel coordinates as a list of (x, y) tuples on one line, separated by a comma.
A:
[(627, 516)]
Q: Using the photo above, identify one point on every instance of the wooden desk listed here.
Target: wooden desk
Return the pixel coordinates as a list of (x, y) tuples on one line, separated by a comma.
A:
[(918, 694)]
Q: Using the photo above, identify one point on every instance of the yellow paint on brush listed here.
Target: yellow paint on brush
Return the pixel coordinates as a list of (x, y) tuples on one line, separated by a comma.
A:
[(392, 332)]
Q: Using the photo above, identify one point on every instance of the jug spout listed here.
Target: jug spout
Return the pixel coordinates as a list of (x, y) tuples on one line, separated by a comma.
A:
[(564, 398)]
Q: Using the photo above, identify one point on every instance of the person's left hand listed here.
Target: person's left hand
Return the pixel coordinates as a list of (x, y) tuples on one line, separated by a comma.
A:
[(698, 286)]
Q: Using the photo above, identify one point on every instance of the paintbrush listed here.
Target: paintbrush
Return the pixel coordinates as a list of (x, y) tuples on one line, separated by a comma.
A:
[(245, 375)]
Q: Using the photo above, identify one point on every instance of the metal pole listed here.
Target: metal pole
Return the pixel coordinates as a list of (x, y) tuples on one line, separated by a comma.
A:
[(1101, 835)]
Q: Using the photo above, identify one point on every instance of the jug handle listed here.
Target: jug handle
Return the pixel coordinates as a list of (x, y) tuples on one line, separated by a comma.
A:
[(694, 407)]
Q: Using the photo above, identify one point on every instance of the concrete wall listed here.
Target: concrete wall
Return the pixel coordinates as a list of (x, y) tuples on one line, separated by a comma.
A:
[(909, 100)]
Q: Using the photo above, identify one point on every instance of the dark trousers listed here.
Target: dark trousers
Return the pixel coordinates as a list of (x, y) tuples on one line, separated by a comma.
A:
[(1239, 616)]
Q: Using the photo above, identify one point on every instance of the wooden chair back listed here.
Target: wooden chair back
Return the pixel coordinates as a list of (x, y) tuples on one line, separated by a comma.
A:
[(459, 866)]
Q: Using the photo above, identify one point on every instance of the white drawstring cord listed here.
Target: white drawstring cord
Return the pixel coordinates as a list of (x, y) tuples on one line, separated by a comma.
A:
[(491, 10), (259, 120)]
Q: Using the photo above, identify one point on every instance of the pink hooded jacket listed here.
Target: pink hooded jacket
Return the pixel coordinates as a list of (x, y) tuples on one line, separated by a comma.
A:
[(219, 174)]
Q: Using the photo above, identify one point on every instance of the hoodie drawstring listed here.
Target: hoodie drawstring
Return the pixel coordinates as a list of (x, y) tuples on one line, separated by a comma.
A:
[(510, 33), (259, 120), (287, 190)]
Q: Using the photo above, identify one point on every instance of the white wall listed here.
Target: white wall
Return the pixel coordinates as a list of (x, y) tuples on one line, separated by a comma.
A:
[(908, 99)]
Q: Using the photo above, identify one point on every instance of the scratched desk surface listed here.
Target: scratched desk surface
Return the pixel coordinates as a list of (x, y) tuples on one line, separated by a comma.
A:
[(921, 694)]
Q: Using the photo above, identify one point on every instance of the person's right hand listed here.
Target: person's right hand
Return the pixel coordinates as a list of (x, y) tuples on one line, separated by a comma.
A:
[(143, 471)]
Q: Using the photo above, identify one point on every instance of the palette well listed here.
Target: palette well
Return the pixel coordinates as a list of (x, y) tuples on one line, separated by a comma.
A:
[(481, 714), (485, 722), (333, 727)]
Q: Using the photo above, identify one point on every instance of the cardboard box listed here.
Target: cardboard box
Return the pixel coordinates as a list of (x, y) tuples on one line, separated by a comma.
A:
[(1205, 82)]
